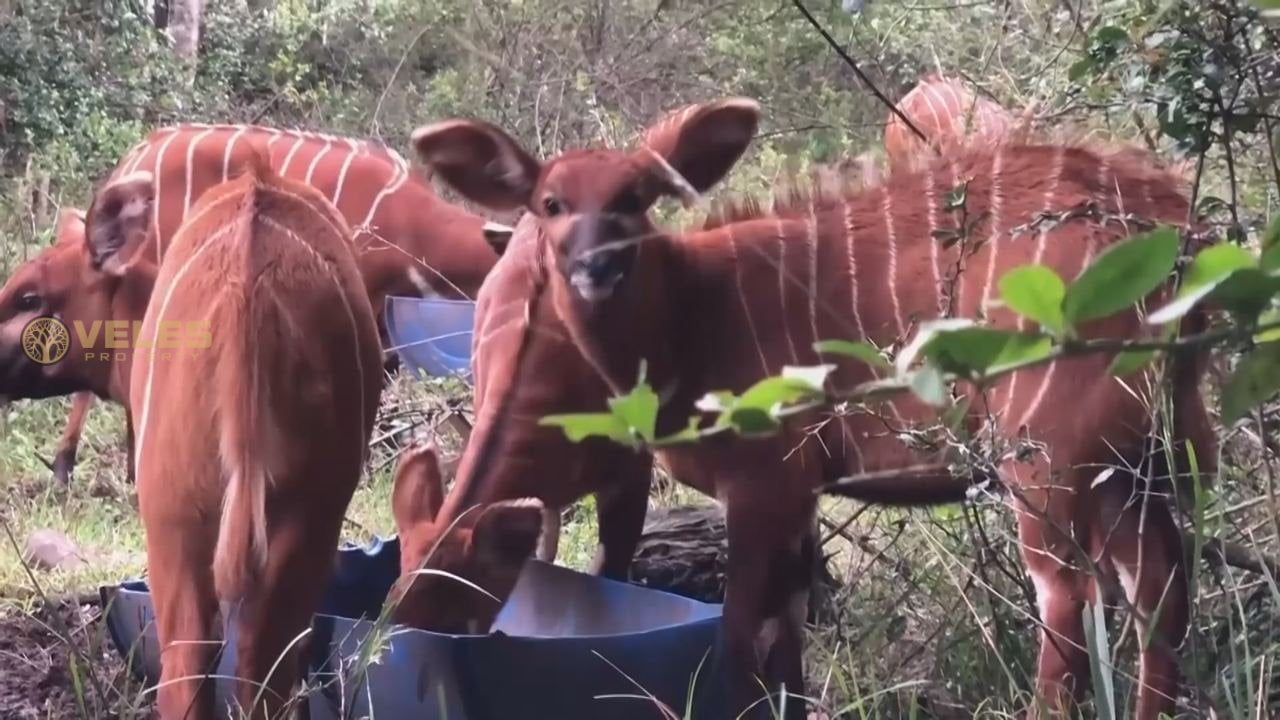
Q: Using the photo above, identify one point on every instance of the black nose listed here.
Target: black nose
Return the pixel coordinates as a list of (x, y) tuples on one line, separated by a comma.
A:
[(603, 267)]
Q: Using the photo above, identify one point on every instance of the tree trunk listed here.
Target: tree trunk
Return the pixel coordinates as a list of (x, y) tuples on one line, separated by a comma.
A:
[(160, 14), (184, 26), (683, 551)]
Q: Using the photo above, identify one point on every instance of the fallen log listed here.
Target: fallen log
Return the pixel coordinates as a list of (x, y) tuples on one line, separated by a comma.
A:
[(684, 550)]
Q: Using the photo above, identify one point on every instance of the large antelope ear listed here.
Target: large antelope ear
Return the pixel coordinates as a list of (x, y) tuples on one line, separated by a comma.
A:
[(119, 222), (418, 488), (692, 149), (480, 161), (507, 532)]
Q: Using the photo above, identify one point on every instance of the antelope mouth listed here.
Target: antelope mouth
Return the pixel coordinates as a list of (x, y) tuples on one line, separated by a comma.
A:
[(593, 288)]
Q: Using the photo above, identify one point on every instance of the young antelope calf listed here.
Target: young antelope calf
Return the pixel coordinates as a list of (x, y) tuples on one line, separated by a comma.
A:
[(251, 432), (720, 308), (525, 366)]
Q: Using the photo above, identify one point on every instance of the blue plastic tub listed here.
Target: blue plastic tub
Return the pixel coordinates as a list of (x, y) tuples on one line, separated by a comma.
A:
[(432, 335), (540, 661)]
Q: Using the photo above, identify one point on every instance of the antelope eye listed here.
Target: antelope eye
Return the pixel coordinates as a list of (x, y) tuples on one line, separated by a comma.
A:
[(551, 206), (28, 301)]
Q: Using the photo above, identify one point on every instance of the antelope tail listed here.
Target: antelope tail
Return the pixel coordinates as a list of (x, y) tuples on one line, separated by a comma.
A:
[(250, 444)]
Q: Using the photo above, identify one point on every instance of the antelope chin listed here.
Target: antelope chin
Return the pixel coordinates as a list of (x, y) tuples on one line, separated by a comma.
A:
[(592, 290)]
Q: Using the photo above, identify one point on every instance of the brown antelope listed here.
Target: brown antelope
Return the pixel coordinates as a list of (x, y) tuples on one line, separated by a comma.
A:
[(510, 457), (251, 443), (948, 115), (411, 241), (751, 292)]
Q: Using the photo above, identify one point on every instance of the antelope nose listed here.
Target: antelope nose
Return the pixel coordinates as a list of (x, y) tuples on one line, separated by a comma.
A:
[(601, 266), (595, 273)]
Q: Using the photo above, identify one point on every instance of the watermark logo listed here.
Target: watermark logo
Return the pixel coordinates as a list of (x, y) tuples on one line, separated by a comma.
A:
[(46, 340)]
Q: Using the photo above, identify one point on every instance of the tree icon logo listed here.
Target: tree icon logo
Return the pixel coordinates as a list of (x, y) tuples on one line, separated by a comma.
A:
[(46, 340)]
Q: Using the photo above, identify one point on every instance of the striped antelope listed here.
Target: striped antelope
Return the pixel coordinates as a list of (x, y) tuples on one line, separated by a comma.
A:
[(412, 243), (249, 449), (510, 459), (948, 114), (722, 307)]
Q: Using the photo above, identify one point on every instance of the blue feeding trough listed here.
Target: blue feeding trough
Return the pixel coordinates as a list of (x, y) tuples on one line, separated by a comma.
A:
[(562, 640), (432, 335)]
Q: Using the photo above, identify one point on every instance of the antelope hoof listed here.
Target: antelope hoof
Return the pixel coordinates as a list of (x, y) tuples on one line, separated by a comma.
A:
[(64, 464)]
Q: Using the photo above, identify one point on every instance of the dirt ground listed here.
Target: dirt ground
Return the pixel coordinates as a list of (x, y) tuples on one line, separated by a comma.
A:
[(37, 676)]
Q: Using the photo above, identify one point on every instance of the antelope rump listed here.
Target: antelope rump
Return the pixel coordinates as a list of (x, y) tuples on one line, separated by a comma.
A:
[(241, 507)]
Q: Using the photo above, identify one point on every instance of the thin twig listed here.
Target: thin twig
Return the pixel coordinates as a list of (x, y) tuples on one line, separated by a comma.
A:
[(858, 71)]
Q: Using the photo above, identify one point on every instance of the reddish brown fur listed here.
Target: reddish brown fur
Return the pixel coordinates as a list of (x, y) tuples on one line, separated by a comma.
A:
[(718, 309), (948, 114), (409, 239), (509, 456), (267, 427)]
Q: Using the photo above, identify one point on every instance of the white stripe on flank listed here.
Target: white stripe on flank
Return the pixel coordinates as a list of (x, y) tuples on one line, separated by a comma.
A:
[(892, 237), (288, 158), (742, 296), (226, 154), (993, 243), (853, 272), (782, 289), (130, 165), (1030, 412), (1046, 206), (419, 282), (397, 179), (315, 161), (811, 237), (151, 353), (159, 196), (852, 442), (191, 164), (931, 214), (352, 150), (930, 94)]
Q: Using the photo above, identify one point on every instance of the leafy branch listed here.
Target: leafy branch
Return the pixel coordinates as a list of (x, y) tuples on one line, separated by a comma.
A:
[(945, 351)]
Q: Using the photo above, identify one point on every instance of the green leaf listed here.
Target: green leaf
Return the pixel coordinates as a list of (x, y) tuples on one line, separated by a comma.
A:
[(580, 426), (1211, 267), (1256, 379), (814, 375), (637, 410), (1270, 317), (1271, 258), (928, 329), (1098, 648), (1121, 275), (1271, 243), (772, 392), (928, 384), (1079, 69), (865, 352), (752, 421), (1130, 361), (1036, 292), (689, 434), (975, 352), (1246, 292), (1267, 4)]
